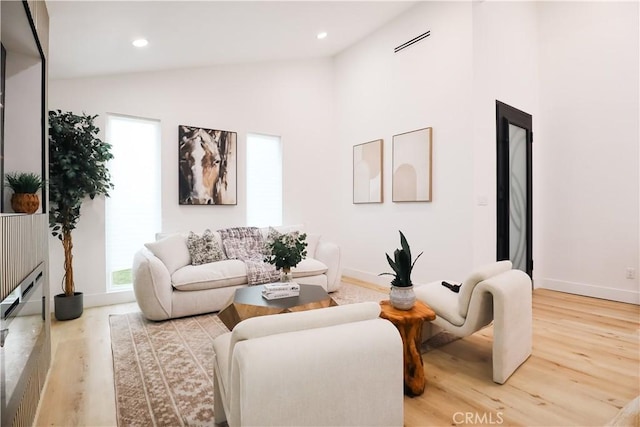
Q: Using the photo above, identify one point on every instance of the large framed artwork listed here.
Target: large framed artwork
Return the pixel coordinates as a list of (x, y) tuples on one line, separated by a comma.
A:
[(367, 172), (412, 166), (207, 172)]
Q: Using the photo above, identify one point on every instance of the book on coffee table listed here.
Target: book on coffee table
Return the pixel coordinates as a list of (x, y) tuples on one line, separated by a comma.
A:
[(282, 286), (270, 295)]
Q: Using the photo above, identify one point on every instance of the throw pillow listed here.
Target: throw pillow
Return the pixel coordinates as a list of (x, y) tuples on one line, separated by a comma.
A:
[(203, 249), (172, 251), (272, 235)]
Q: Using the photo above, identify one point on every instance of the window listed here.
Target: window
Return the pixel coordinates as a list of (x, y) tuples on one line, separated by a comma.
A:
[(264, 180), (133, 211)]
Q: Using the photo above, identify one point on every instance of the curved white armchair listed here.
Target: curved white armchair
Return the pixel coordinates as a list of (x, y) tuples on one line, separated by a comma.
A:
[(493, 292), (327, 367)]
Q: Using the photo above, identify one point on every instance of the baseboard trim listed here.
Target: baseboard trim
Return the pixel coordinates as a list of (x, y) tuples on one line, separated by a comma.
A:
[(612, 294), (109, 298), (366, 277)]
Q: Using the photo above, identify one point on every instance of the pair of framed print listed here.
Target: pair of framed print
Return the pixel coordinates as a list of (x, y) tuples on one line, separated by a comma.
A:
[(410, 172)]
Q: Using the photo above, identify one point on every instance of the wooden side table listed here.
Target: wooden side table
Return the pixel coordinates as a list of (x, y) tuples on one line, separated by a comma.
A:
[(409, 324)]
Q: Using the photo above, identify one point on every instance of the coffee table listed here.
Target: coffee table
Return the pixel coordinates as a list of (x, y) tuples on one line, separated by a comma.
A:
[(248, 302)]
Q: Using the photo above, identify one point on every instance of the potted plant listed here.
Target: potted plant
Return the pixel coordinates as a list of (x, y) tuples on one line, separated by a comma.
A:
[(402, 296), (285, 251), (77, 169), (25, 185)]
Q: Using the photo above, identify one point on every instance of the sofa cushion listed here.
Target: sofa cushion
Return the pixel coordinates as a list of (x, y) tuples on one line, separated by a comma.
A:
[(172, 251), (309, 267), (213, 275), (204, 249)]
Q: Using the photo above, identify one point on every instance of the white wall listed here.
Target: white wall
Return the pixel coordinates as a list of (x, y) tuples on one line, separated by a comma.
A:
[(588, 148), (573, 66), (291, 99), (23, 117), (380, 94), (505, 68)]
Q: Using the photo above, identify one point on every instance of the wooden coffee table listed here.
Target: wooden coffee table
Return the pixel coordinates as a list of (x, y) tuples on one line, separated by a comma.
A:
[(409, 324), (248, 302)]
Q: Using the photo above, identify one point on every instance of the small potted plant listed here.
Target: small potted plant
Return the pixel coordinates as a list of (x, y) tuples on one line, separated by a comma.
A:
[(285, 251), (25, 185), (402, 296)]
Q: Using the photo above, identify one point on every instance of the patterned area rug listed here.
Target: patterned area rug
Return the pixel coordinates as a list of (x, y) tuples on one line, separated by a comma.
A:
[(164, 370)]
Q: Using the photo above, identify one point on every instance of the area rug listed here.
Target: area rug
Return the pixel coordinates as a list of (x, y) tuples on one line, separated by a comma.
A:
[(163, 371)]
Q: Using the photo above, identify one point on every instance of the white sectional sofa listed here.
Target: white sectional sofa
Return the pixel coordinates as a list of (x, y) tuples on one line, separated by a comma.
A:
[(167, 286)]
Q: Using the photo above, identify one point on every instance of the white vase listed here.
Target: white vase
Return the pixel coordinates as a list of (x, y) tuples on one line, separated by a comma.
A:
[(402, 297)]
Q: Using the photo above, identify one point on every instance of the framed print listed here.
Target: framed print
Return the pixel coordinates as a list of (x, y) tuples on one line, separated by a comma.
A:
[(207, 166), (367, 172), (412, 166)]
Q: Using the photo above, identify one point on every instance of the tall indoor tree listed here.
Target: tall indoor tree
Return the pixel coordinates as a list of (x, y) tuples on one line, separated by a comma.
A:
[(77, 170)]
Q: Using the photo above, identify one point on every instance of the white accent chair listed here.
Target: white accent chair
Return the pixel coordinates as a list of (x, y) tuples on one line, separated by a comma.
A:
[(493, 292), (332, 366)]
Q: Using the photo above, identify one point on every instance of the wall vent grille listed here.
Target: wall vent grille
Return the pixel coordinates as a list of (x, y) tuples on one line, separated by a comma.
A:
[(412, 41)]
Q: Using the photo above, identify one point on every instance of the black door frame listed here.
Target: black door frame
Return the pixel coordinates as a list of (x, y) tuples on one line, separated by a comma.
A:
[(505, 115)]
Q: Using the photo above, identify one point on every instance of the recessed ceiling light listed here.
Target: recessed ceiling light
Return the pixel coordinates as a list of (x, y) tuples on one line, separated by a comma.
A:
[(321, 35), (140, 42)]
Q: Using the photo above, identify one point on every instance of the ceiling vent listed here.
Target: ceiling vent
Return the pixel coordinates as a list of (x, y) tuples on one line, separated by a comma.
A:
[(412, 41)]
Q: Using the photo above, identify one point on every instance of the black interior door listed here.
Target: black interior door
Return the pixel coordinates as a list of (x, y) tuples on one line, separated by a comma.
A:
[(514, 188)]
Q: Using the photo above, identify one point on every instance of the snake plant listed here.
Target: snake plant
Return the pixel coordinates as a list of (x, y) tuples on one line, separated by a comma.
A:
[(401, 264)]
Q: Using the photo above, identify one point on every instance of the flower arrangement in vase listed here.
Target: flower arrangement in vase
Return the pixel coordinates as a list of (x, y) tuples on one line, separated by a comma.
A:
[(402, 296), (285, 251)]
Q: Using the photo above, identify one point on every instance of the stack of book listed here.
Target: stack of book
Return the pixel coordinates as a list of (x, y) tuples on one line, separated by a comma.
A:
[(280, 290)]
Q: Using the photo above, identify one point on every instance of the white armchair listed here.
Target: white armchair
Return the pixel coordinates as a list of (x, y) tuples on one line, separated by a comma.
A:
[(495, 293), (332, 366)]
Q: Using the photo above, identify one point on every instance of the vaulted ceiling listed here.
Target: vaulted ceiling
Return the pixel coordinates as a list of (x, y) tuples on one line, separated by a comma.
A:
[(89, 38)]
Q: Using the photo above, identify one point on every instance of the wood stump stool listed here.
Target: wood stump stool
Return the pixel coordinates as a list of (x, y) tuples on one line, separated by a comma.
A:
[(409, 324)]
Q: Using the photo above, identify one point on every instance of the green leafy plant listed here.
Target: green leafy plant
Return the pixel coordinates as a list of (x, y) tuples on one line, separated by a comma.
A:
[(77, 169), (24, 182), (401, 264), (286, 250)]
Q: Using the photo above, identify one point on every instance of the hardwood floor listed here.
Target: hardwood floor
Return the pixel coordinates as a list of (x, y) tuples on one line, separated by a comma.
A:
[(584, 367)]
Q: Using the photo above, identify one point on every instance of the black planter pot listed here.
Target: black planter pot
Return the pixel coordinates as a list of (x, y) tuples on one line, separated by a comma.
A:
[(68, 308)]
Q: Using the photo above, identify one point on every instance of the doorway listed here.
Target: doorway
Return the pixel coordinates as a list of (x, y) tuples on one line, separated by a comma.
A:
[(514, 189)]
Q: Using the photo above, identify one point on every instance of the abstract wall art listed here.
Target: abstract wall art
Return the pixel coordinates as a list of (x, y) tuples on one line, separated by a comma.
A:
[(412, 166), (367, 172)]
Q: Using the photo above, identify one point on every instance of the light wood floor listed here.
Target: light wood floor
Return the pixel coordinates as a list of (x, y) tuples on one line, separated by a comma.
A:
[(585, 366)]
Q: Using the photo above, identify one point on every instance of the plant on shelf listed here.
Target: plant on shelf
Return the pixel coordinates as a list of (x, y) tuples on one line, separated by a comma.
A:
[(25, 185), (285, 250), (77, 170), (24, 182), (402, 267)]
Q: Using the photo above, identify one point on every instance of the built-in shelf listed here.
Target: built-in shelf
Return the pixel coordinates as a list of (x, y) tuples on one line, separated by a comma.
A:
[(23, 115), (25, 353)]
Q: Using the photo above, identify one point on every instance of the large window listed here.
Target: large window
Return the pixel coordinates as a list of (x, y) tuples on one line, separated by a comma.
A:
[(133, 208), (264, 180)]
